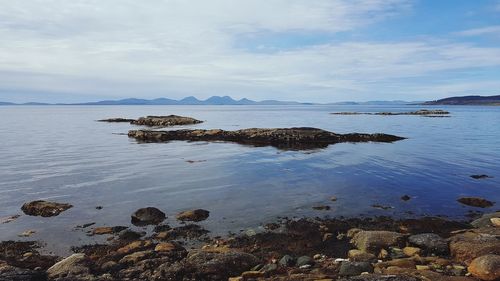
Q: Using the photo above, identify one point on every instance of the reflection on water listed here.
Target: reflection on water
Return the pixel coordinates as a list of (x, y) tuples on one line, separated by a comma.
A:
[(61, 153)]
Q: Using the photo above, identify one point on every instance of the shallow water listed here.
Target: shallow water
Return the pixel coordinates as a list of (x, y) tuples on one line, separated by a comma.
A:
[(60, 153)]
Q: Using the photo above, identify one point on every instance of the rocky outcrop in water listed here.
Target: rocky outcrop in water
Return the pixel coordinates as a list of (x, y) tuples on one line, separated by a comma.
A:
[(288, 138), (156, 121), (44, 208), (422, 112)]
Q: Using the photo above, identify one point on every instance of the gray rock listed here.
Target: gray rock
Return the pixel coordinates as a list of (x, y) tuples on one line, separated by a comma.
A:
[(219, 266), (11, 273), (430, 242), (374, 277), (374, 241), (268, 268), (73, 265), (484, 220), (354, 268), (304, 260), (287, 260)]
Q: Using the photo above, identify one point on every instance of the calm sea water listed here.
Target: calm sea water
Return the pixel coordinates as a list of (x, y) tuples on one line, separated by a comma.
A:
[(61, 153)]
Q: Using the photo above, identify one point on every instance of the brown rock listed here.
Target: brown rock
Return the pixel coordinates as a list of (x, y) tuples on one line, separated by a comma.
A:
[(374, 241), (193, 215), (166, 247), (358, 255), (149, 215), (252, 274), (486, 267), (465, 247), (476, 202), (411, 251), (44, 208)]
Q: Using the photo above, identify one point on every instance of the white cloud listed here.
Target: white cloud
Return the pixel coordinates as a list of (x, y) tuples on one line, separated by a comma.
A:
[(176, 48), (488, 30)]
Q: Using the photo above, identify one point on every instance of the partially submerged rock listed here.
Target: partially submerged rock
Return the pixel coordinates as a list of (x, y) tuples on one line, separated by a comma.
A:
[(478, 177), (288, 138), (476, 202), (421, 112), (148, 215), (165, 121), (117, 120), (193, 215), (44, 208)]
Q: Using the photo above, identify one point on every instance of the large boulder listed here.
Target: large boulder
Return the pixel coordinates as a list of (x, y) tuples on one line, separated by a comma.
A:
[(354, 268), (476, 202), (430, 243), (374, 241), (466, 246), (148, 215), (44, 208), (165, 121), (486, 267), (485, 220)]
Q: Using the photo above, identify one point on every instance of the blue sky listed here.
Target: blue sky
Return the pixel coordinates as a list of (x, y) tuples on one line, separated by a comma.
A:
[(315, 50)]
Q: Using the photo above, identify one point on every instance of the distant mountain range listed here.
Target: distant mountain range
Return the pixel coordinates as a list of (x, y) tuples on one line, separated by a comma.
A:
[(467, 100), (215, 100)]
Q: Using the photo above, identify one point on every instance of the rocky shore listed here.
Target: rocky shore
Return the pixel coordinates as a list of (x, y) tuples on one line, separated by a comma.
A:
[(286, 138), (156, 121), (422, 112), (369, 249)]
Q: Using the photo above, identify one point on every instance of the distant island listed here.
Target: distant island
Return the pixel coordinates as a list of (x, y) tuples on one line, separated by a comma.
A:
[(467, 100)]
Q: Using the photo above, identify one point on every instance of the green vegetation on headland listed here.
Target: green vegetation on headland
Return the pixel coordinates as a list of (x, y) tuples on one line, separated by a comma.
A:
[(467, 100)]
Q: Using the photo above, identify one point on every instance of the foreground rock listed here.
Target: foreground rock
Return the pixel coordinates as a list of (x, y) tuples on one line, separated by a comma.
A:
[(74, 265), (476, 202), (290, 138), (193, 215), (486, 267), (146, 216), (165, 121), (44, 208)]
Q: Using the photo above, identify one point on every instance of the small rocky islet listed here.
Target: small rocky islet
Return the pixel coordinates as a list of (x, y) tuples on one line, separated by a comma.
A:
[(422, 112), (156, 121), (283, 138)]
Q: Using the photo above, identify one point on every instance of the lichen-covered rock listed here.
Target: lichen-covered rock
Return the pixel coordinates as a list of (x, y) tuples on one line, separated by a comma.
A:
[(44, 208), (288, 138), (486, 267), (71, 266)]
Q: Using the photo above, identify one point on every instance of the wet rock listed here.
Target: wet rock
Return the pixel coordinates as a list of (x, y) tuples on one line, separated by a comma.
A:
[(117, 120), (304, 260), (74, 265), (24, 254), (130, 235), (465, 247), (286, 261), (374, 241), (149, 215), (405, 197), (354, 268), (190, 231), (430, 242), (486, 267), (290, 138), (360, 256), (193, 215), (478, 177), (485, 220), (9, 219), (168, 247), (165, 121), (44, 208), (135, 257), (219, 266), (476, 202), (321, 208), (11, 273), (27, 233)]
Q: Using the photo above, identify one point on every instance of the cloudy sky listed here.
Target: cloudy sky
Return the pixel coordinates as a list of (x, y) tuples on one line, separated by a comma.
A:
[(304, 50)]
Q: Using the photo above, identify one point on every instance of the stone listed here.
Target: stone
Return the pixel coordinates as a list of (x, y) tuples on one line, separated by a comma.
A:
[(464, 247), (167, 247), (193, 215), (11, 273), (303, 260), (495, 221), (146, 216), (354, 268), (252, 274), (107, 230), (374, 241), (322, 208), (117, 120), (476, 202), (287, 260), (27, 233), (44, 208), (411, 251), (282, 138), (479, 177), (486, 267), (133, 247), (71, 266), (405, 197), (485, 220), (269, 268), (430, 242), (373, 277), (135, 257), (219, 266), (130, 235), (360, 256)]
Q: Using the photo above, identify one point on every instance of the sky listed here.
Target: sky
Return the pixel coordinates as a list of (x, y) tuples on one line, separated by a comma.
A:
[(301, 50)]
